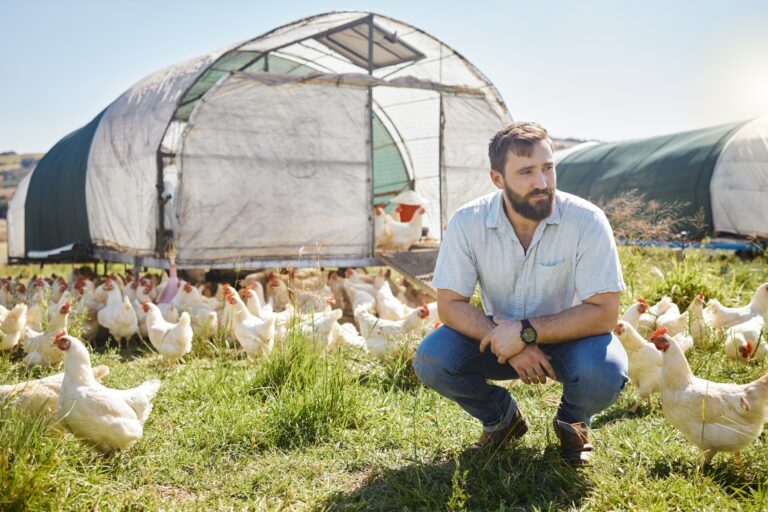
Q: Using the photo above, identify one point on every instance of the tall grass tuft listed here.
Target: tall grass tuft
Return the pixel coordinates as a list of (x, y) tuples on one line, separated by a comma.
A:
[(309, 393), (28, 457), (397, 373)]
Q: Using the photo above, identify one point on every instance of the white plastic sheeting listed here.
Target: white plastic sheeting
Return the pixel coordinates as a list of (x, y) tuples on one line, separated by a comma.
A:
[(470, 122), (441, 64), (276, 171), (121, 182), (16, 219), (739, 185)]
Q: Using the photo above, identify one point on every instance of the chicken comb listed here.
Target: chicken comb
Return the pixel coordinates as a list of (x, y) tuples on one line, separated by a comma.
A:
[(60, 335), (658, 332), (642, 301), (700, 294), (425, 307)]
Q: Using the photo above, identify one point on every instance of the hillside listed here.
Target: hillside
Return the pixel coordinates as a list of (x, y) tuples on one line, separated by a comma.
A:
[(13, 167)]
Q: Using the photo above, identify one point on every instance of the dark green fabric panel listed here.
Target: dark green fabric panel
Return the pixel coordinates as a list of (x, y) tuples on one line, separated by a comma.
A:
[(668, 168), (55, 212)]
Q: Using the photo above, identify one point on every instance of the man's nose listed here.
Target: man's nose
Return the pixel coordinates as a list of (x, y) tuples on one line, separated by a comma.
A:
[(540, 181)]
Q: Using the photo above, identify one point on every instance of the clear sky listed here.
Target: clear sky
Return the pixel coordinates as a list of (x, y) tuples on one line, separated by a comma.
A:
[(609, 70)]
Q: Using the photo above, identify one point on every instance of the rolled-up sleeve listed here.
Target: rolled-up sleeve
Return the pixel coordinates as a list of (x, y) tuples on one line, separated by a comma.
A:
[(455, 268), (598, 269)]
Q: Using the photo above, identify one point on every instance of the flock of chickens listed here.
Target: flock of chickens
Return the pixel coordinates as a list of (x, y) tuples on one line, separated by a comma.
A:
[(257, 316), (713, 416)]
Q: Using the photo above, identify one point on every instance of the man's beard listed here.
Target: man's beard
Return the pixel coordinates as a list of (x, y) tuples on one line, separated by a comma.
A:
[(537, 210)]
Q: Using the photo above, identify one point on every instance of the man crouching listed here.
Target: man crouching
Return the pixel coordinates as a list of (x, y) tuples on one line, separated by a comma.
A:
[(549, 278)]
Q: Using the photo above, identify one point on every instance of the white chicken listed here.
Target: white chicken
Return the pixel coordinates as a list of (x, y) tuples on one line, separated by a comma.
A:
[(662, 306), (172, 340), (713, 416), (319, 328), (723, 317), (646, 322), (202, 310), (672, 320), (57, 289), (346, 335), (633, 312), (387, 305), (110, 419), (698, 324), (337, 289), (254, 304), (742, 341), (255, 335), (359, 296), (402, 235), (7, 298), (118, 315), (644, 362), (39, 293), (381, 233), (40, 396), (381, 336), (277, 293), (39, 345), (12, 326)]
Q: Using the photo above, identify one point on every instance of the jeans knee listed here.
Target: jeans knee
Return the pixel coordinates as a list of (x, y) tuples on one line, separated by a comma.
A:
[(427, 369), (600, 385)]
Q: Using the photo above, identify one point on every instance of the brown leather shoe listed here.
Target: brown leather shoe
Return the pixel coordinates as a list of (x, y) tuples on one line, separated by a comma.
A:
[(575, 445), (507, 435)]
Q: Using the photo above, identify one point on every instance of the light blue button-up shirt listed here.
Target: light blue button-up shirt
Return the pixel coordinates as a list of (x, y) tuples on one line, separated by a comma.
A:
[(572, 256)]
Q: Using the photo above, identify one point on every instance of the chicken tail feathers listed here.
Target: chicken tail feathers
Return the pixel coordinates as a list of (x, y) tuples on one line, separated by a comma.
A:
[(150, 388)]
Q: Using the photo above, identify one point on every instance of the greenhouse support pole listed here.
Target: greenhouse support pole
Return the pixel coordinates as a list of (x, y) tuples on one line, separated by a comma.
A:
[(371, 191), (441, 157), (441, 170)]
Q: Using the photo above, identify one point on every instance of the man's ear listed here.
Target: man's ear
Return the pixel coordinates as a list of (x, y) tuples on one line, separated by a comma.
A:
[(497, 179)]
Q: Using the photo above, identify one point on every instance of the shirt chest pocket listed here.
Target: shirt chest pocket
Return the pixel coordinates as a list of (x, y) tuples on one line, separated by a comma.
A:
[(553, 279)]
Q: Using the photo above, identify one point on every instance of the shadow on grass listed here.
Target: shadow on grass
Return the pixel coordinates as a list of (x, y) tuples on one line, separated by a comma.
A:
[(623, 413), (522, 477), (725, 472)]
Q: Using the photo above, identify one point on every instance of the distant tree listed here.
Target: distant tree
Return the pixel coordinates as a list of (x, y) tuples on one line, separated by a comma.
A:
[(28, 162)]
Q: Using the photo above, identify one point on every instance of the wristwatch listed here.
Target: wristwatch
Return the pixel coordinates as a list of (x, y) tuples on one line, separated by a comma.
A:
[(528, 334)]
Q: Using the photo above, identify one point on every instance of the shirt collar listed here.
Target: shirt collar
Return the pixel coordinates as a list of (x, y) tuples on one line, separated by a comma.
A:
[(495, 215)]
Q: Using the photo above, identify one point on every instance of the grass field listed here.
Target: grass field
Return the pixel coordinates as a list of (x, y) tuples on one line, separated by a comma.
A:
[(340, 431)]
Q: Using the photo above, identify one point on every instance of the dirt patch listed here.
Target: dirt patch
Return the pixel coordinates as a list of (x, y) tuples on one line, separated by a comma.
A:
[(174, 493)]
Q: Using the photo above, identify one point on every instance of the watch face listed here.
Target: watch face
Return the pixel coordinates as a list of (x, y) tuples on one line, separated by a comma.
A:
[(528, 335)]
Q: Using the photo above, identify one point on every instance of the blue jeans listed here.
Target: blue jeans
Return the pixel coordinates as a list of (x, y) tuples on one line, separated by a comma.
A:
[(593, 372)]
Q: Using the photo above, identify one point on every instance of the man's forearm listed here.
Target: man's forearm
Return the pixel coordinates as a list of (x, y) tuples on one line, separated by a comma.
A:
[(574, 323), (466, 319)]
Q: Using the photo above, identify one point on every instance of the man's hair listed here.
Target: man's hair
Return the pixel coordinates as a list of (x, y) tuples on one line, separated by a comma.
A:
[(519, 138)]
